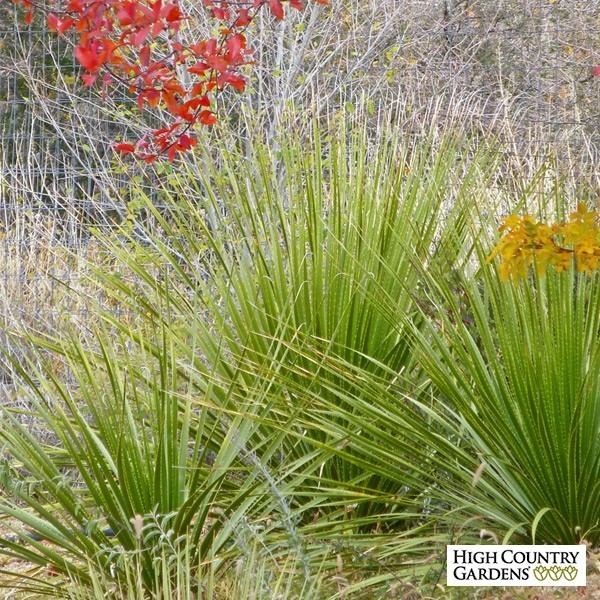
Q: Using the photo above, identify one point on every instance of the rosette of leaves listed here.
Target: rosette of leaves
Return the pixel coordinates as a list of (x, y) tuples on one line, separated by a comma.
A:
[(523, 374), (132, 479)]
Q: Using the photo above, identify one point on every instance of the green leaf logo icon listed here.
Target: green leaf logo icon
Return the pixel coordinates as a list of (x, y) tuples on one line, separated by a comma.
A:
[(555, 572), (540, 573), (570, 572)]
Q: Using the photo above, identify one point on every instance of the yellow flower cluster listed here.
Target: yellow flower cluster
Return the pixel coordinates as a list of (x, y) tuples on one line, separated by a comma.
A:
[(526, 242)]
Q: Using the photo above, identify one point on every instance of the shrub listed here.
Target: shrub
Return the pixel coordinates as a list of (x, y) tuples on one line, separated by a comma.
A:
[(136, 477), (523, 376)]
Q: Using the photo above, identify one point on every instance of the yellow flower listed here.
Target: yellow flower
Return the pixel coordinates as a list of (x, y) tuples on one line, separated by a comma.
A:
[(525, 242)]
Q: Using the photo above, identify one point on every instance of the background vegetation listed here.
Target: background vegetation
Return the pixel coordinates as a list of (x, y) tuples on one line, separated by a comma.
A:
[(284, 367)]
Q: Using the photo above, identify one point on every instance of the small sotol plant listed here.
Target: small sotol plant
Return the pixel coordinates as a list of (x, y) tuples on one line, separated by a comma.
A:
[(523, 374), (129, 478)]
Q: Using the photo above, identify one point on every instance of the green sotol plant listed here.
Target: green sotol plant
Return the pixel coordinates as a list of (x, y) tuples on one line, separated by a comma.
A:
[(523, 374), (302, 253), (132, 473)]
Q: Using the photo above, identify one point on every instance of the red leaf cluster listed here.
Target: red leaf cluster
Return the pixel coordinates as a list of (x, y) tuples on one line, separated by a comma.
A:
[(136, 43)]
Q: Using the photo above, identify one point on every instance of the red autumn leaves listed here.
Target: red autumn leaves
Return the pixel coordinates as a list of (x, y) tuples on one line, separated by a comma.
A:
[(136, 43)]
